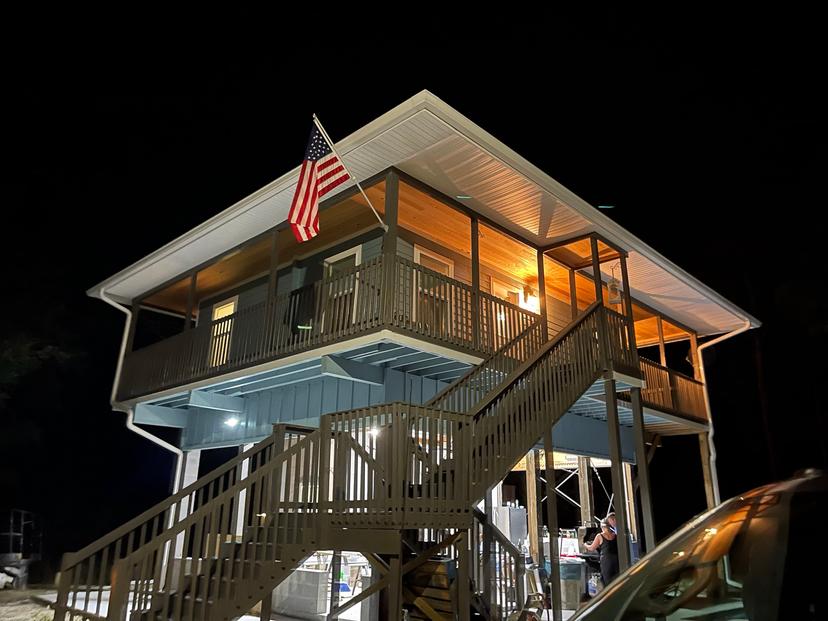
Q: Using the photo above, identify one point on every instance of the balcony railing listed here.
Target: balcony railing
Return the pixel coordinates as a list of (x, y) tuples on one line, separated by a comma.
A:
[(672, 392), (402, 296)]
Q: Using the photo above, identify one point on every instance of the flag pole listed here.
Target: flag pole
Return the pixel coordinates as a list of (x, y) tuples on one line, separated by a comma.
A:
[(331, 145)]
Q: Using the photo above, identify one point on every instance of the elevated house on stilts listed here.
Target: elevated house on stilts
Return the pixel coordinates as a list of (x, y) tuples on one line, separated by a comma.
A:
[(380, 384)]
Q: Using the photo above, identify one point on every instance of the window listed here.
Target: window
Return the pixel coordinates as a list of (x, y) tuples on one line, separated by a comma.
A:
[(430, 306), (342, 289), (510, 293), (222, 328), (434, 261)]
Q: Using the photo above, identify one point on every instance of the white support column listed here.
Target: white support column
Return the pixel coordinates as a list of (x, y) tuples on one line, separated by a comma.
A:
[(245, 470), (629, 498), (189, 475), (497, 495), (585, 491), (192, 460)]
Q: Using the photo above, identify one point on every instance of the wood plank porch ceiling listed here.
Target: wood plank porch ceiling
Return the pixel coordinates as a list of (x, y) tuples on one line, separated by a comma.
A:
[(434, 143)]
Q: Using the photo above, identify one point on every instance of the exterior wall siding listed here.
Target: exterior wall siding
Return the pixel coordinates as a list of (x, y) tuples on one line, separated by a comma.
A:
[(302, 404), (305, 402)]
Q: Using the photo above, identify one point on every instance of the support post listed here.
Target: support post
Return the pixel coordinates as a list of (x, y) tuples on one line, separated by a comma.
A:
[(532, 507), (694, 356), (463, 592), (475, 265), (629, 499), (573, 294), (336, 569), (662, 351), (395, 599), (617, 474), (585, 491), (389, 242), (552, 527), (267, 607), (704, 450), (544, 313), (487, 547), (642, 461), (369, 608), (272, 279), (628, 309), (189, 475), (324, 467), (191, 293), (133, 323), (242, 508), (647, 542), (596, 271)]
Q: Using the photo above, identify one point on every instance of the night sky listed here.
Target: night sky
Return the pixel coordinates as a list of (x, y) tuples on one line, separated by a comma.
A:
[(706, 131)]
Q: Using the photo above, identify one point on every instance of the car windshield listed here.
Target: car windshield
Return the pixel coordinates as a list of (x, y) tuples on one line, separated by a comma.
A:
[(747, 559)]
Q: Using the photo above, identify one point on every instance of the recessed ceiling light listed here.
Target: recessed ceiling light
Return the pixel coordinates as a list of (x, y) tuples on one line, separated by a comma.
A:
[(606, 206), (462, 197), (232, 421)]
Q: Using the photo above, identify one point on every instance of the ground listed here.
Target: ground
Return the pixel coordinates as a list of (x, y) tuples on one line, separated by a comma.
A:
[(19, 606)]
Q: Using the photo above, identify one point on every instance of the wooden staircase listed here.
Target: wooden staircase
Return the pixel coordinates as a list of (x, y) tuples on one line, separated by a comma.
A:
[(367, 476)]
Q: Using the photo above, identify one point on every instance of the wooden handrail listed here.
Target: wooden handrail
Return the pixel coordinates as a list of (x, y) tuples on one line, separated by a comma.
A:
[(265, 513), (499, 363), (527, 365), (671, 391), (684, 376), (510, 591), (72, 558), (421, 301)]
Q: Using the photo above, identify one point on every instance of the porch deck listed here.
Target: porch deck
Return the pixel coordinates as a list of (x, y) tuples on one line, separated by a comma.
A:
[(399, 295)]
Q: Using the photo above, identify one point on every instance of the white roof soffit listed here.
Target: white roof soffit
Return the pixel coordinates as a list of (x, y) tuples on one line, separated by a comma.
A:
[(434, 143)]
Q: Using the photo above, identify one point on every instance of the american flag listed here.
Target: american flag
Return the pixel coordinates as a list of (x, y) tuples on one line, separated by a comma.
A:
[(321, 172)]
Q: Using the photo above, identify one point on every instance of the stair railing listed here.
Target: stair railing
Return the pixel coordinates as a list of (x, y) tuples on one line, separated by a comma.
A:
[(498, 569), (463, 394), (85, 574), (397, 465), (278, 504), (508, 421), (146, 558)]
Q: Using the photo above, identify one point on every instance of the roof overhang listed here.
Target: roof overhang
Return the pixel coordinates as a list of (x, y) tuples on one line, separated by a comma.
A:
[(429, 140)]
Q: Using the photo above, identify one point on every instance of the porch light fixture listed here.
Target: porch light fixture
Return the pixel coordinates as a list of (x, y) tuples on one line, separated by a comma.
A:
[(606, 206), (374, 432), (301, 327), (231, 422), (462, 197), (529, 300)]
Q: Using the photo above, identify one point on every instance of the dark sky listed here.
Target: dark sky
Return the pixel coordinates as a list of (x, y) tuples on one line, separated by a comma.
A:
[(705, 130)]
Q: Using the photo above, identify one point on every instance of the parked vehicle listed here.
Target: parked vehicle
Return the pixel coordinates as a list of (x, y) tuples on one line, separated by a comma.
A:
[(758, 556)]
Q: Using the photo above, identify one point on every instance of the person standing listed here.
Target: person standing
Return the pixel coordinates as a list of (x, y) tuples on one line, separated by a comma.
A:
[(606, 543)]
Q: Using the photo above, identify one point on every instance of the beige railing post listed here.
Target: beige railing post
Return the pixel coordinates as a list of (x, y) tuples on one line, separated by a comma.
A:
[(64, 583), (119, 592), (324, 465)]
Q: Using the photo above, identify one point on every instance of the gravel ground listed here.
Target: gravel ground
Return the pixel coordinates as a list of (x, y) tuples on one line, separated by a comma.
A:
[(18, 606)]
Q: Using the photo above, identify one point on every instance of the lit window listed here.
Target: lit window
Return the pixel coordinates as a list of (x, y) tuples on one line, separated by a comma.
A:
[(222, 329)]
